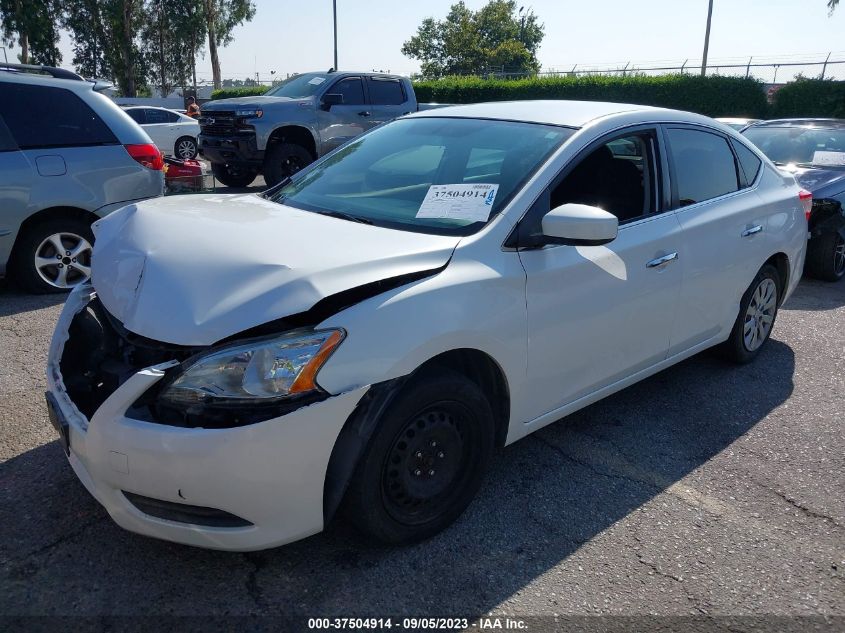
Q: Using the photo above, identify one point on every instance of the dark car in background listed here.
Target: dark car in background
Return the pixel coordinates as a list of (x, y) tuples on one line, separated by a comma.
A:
[(814, 151)]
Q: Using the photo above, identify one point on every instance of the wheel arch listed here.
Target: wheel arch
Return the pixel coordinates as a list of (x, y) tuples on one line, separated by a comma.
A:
[(474, 364), (296, 134), (781, 263), (47, 215)]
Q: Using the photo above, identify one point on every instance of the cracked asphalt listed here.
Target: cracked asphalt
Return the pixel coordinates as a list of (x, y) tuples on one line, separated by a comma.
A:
[(707, 489)]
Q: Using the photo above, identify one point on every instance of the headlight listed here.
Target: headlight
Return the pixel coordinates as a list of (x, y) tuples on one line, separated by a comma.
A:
[(259, 371), (251, 114)]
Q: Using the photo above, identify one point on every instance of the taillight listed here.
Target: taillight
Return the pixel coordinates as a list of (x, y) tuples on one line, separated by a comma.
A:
[(148, 155), (806, 199)]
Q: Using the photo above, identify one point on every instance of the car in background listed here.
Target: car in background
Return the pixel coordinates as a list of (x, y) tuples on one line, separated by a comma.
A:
[(68, 156), (173, 133), (737, 123), (365, 335), (814, 151)]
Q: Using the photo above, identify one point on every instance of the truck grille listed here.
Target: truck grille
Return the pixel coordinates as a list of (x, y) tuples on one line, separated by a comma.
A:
[(217, 123)]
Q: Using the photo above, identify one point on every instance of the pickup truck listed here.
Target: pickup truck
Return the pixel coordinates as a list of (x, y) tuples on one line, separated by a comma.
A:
[(296, 122)]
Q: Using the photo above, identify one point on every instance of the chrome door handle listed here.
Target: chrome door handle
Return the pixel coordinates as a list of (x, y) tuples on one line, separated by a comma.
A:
[(661, 261), (752, 230)]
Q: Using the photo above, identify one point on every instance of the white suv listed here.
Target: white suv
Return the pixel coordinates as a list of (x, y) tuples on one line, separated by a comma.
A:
[(68, 156)]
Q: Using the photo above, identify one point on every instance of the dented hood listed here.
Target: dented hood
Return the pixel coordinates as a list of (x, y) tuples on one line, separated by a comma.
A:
[(193, 270)]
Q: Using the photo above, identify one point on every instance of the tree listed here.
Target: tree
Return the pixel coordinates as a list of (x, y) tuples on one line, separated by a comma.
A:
[(84, 20), (171, 34), (33, 25), (466, 42), (831, 4), (221, 17)]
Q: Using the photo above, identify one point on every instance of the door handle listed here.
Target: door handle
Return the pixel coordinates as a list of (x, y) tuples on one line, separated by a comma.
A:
[(662, 261), (752, 230), (364, 113)]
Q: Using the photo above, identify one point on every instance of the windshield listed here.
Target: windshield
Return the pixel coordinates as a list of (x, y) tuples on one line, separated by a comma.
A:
[(434, 175), (298, 87), (813, 146)]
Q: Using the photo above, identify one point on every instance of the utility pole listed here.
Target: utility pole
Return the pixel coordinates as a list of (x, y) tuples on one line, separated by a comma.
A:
[(706, 39), (334, 12)]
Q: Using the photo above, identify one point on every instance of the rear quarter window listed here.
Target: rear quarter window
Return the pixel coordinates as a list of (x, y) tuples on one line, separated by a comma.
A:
[(748, 162), (46, 116)]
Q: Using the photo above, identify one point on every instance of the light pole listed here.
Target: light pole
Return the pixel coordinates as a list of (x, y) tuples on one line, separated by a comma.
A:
[(334, 12), (706, 39)]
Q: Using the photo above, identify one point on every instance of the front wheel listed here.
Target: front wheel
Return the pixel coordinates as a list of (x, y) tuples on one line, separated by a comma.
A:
[(283, 160), (54, 256), (757, 313), (425, 460), (233, 177), (826, 257)]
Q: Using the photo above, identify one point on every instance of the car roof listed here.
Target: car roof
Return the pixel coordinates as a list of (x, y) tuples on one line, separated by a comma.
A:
[(805, 122), (574, 114)]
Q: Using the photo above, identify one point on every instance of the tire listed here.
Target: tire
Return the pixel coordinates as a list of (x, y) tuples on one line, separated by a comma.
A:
[(284, 160), (826, 257), (425, 460), (231, 177), (36, 264), (756, 320), (185, 147)]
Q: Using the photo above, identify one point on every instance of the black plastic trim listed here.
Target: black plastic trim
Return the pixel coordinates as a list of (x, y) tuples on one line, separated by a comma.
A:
[(185, 513)]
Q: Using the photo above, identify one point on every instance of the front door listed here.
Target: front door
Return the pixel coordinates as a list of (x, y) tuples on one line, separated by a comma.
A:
[(344, 121), (597, 314)]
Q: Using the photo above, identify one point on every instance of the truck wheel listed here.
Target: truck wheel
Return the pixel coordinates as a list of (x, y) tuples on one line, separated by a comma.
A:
[(284, 160), (53, 256), (826, 257), (233, 177), (425, 460)]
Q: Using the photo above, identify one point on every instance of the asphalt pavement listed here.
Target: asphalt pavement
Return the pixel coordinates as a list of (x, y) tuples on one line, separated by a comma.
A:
[(708, 489)]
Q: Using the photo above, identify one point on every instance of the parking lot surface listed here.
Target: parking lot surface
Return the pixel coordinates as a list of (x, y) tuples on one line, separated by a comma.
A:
[(707, 489)]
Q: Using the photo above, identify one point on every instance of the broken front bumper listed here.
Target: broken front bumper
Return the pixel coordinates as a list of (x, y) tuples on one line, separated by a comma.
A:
[(243, 488)]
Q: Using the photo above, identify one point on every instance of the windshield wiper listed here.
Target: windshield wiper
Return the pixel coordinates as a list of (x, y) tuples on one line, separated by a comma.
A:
[(345, 216)]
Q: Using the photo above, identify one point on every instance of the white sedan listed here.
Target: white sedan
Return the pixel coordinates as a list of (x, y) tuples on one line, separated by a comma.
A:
[(365, 335), (173, 133)]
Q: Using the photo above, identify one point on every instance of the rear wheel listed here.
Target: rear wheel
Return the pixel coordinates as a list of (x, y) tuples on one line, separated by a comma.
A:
[(186, 147), (54, 256), (425, 461), (284, 160), (826, 257), (233, 176), (757, 313)]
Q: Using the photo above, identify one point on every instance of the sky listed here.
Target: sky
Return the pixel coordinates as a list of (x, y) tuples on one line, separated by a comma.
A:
[(288, 37)]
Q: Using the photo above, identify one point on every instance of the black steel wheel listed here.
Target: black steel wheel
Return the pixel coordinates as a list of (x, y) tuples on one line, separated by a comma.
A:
[(425, 460)]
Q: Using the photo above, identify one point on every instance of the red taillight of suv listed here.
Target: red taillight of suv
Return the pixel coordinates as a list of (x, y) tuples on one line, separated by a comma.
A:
[(148, 155), (806, 199)]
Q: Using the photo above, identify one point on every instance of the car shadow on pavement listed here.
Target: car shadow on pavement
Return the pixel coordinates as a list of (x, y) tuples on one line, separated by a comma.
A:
[(545, 498), (817, 295), (13, 300)]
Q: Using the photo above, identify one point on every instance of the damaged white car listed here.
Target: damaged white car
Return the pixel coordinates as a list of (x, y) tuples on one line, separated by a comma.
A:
[(363, 336)]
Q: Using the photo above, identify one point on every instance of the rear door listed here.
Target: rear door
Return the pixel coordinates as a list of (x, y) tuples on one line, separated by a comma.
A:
[(725, 231), (161, 126), (15, 185), (344, 121), (387, 99)]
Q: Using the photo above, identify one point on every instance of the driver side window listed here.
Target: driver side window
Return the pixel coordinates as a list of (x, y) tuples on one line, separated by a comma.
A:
[(352, 89), (618, 176)]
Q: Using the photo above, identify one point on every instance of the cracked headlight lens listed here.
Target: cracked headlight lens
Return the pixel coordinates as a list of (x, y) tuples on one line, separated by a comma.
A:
[(259, 371)]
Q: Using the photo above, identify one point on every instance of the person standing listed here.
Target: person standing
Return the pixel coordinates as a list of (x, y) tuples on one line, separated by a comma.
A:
[(193, 110)]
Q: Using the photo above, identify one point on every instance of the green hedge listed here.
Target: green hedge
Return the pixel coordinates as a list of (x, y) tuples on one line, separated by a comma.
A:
[(228, 93), (712, 95), (810, 98)]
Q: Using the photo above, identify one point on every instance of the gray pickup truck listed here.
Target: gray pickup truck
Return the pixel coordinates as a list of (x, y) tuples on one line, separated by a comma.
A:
[(296, 122)]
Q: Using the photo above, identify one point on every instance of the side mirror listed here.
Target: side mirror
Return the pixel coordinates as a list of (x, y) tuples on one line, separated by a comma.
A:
[(331, 99), (579, 225)]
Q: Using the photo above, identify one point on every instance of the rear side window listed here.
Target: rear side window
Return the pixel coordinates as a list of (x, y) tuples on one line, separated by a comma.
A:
[(748, 162), (704, 165), (44, 116), (161, 116), (386, 92)]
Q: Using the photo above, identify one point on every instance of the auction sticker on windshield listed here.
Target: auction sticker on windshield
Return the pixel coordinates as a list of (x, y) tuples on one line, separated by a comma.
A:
[(459, 202), (829, 158), (316, 81)]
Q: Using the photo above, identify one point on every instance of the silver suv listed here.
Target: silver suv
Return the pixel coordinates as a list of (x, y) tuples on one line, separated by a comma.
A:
[(68, 156)]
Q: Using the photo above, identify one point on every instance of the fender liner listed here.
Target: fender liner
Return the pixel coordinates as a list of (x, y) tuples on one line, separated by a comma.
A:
[(353, 438)]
